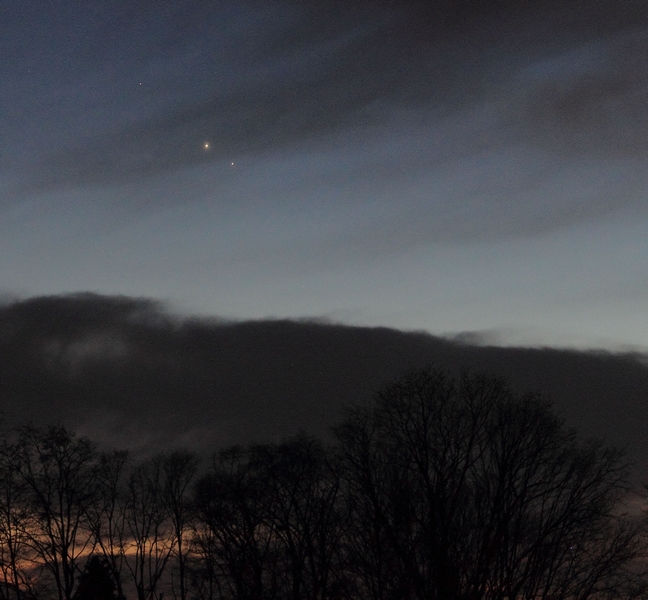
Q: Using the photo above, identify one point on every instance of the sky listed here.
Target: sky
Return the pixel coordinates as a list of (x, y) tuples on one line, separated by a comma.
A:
[(450, 166)]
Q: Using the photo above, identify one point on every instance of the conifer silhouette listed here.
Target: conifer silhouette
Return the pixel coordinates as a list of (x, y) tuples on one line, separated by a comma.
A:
[(96, 581)]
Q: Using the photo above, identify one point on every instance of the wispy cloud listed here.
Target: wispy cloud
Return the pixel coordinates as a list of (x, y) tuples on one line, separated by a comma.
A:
[(251, 80)]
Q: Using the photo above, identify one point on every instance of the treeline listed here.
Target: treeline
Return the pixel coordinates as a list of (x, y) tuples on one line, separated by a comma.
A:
[(443, 488)]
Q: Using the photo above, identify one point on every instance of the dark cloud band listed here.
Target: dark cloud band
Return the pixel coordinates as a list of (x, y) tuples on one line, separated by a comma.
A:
[(127, 372)]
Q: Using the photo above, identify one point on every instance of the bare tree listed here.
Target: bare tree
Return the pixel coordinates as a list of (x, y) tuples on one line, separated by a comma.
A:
[(59, 471), (150, 536), (179, 468), (232, 535), (15, 553), (303, 508), (108, 514), (270, 521), (206, 574), (462, 490)]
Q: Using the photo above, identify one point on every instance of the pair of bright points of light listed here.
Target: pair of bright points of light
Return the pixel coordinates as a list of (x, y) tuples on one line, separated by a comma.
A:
[(206, 147)]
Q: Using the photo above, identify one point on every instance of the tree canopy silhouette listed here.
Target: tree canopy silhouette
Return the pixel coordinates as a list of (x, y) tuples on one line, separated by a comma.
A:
[(462, 490), (441, 488)]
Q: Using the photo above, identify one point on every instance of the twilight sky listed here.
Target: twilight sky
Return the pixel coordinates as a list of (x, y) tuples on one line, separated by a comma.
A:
[(448, 166)]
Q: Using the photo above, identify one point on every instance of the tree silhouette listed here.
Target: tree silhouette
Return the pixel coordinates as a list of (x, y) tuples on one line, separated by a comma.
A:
[(15, 554), (271, 520), (303, 508), (107, 517), (231, 529), (149, 527), (59, 472), (462, 490), (443, 488), (179, 468), (96, 581)]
